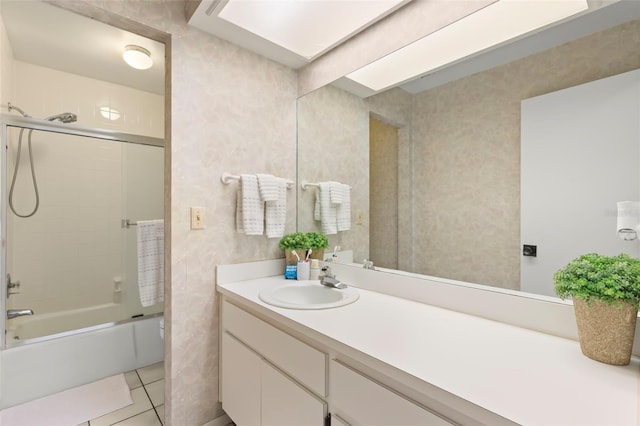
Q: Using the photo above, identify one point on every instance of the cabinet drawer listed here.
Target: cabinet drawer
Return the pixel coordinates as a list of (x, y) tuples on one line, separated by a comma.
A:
[(299, 360), (361, 401)]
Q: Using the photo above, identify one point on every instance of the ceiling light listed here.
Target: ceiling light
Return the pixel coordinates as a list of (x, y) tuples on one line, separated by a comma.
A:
[(137, 57), (497, 23), (109, 113), (307, 28)]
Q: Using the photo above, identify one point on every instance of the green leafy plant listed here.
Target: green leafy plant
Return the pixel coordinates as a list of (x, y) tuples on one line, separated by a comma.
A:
[(610, 279), (317, 240), (294, 241)]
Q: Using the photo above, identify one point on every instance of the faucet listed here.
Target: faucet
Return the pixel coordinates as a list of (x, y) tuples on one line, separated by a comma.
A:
[(328, 279), (13, 313)]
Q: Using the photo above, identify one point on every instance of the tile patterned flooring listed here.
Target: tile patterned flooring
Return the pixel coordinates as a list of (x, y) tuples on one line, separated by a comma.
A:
[(147, 391)]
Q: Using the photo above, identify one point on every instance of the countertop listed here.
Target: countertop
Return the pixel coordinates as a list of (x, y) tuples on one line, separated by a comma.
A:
[(528, 377)]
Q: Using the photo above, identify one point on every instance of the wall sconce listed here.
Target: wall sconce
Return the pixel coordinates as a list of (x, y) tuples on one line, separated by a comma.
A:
[(137, 57), (628, 220)]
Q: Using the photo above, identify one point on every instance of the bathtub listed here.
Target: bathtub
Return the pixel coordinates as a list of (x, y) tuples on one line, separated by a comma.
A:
[(39, 325), (40, 366)]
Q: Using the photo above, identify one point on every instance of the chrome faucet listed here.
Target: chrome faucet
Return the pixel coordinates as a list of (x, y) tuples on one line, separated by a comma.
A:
[(13, 313), (328, 279)]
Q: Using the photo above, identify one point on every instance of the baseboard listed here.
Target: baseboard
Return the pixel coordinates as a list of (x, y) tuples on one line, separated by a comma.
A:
[(223, 420)]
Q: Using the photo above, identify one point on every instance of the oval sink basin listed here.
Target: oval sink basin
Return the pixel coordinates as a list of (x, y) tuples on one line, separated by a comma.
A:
[(308, 295)]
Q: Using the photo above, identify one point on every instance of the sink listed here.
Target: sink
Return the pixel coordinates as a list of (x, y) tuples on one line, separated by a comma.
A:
[(308, 295)]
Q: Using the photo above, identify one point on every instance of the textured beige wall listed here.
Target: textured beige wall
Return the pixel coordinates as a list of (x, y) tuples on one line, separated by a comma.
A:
[(466, 138), (333, 130), (231, 111)]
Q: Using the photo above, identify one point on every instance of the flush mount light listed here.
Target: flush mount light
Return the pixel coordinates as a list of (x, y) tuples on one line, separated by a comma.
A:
[(137, 57), (109, 113), (497, 23)]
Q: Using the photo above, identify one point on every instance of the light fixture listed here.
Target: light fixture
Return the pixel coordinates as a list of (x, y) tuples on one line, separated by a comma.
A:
[(109, 113), (137, 57), (497, 23)]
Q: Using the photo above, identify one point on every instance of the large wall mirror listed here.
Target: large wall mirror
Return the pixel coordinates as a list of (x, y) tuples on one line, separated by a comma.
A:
[(435, 163)]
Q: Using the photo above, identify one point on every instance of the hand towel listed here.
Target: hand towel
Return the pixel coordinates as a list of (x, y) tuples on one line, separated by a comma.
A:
[(328, 221), (269, 187), (276, 210), (343, 210), (316, 207), (150, 235), (252, 206), (336, 192)]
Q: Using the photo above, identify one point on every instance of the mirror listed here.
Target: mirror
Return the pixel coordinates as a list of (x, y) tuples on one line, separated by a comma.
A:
[(444, 199)]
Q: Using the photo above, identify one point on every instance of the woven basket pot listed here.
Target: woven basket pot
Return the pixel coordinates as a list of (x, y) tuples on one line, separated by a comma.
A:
[(606, 331), (290, 258), (317, 254)]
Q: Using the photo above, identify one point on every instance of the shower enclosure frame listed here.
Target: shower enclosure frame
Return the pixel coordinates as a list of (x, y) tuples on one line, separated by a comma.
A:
[(28, 123)]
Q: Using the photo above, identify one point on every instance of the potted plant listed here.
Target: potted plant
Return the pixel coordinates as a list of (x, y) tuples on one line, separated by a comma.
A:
[(297, 241), (317, 241), (606, 296)]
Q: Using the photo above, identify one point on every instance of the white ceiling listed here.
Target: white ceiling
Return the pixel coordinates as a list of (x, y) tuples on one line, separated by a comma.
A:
[(52, 37)]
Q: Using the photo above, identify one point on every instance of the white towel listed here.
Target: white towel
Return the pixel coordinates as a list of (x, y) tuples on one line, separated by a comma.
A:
[(251, 205), (275, 217), (328, 221), (336, 192), (150, 235), (269, 187), (316, 208), (343, 210)]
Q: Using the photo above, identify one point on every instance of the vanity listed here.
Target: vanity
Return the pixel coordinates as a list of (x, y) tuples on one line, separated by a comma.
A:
[(389, 360)]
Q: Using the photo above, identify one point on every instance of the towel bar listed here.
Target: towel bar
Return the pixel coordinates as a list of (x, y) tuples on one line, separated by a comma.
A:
[(226, 178), (304, 185), (126, 223)]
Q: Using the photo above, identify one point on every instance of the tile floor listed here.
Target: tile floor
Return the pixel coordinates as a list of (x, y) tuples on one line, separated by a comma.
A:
[(147, 392)]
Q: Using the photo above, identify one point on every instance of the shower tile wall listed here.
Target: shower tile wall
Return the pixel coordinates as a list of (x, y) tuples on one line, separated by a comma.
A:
[(68, 254)]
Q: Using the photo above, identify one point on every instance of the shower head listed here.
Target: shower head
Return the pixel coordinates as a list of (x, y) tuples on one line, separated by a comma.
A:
[(65, 117)]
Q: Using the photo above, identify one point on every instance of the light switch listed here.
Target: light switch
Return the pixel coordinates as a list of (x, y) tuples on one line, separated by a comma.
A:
[(359, 217), (197, 218)]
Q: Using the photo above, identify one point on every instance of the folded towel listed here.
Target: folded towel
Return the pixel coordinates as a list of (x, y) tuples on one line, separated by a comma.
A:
[(269, 187), (343, 210), (336, 192), (316, 207), (252, 206), (150, 235), (328, 221), (276, 210)]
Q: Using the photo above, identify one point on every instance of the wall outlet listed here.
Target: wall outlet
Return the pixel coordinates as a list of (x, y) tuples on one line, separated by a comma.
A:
[(197, 218)]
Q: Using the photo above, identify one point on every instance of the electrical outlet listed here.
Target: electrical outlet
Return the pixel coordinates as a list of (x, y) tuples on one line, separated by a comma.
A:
[(359, 217), (197, 218)]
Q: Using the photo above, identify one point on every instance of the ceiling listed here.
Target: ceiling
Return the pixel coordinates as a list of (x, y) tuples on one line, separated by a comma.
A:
[(46, 35)]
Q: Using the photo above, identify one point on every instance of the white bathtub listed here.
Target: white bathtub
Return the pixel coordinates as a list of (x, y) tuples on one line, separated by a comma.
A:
[(38, 367), (38, 325)]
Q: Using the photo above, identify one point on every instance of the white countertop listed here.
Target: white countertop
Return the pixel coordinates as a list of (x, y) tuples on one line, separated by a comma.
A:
[(526, 376)]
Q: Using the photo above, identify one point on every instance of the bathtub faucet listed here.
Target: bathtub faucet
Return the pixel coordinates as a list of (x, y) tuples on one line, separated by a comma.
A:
[(13, 313)]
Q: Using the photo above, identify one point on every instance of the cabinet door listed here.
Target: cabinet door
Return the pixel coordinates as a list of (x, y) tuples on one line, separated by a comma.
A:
[(240, 382), (361, 401), (285, 403)]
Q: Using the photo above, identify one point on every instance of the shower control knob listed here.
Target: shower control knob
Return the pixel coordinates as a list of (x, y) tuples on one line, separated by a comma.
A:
[(11, 285)]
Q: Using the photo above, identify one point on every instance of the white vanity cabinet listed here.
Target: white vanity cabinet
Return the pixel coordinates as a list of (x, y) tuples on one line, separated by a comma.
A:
[(360, 400), (268, 377)]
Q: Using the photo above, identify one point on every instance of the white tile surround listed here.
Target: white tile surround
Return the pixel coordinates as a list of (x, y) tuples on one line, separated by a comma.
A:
[(76, 236)]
